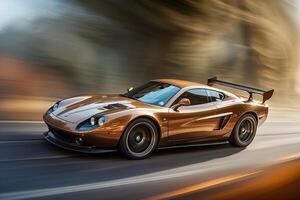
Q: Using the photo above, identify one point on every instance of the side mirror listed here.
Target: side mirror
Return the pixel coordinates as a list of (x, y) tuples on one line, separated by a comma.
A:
[(129, 89), (182, 102)]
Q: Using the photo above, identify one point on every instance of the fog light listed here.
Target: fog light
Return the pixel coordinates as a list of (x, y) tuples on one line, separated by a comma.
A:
[(78, 140)]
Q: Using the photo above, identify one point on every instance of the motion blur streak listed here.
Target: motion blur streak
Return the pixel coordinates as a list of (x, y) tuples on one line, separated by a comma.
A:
[(114, 183), (279, 182), (204, 185), (248, 28), (105, 46)]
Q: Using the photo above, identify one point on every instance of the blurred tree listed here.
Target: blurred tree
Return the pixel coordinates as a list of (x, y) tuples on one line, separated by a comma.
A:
[(108, 45)]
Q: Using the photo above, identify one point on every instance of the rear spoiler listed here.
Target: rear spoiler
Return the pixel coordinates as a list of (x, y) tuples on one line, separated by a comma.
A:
[(266, 94)]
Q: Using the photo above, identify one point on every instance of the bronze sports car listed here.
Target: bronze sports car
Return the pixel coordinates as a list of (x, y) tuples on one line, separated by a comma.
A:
[(160, 113)]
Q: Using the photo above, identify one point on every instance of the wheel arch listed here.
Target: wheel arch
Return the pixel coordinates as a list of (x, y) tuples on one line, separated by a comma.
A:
[(232, 137), (252, 113), (152, 119), (243, 114)]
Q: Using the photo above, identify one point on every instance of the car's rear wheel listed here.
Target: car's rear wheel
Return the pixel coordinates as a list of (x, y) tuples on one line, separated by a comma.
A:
[(139, 139), (244, 131)]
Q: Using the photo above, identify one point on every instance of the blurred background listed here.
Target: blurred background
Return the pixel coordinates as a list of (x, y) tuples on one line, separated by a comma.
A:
[(55, 49), (50, 50)]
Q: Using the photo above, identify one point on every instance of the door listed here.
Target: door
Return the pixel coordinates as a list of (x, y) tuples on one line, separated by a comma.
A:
[(195, 122)]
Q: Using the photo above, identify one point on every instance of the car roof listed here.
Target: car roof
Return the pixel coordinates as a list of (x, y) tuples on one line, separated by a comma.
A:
[(180, 83), (183, 84)]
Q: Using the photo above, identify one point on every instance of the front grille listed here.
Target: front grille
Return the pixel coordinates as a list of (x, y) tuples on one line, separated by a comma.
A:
[(62, 135)]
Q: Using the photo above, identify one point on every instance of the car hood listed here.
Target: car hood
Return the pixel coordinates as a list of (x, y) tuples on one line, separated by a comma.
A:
[(78, 109)]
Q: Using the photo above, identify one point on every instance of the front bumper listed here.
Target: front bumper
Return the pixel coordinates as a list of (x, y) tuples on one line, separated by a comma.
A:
[(52, 138), (104, 138)]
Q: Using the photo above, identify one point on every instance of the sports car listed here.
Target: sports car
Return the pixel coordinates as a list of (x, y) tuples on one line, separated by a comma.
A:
[(158, 114)]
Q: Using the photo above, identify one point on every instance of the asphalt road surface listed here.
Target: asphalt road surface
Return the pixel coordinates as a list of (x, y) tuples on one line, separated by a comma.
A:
[(31, 168)]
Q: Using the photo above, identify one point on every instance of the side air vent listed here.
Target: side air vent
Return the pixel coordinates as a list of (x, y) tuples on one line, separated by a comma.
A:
[(224, 121), (115, 105)]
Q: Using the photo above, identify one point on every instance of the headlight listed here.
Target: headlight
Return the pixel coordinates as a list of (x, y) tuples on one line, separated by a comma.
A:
[(55, 106), (101, 121), (92, 123)]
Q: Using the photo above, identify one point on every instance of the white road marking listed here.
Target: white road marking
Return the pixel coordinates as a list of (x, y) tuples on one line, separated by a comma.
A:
[(276, 141), (282, 121), (37, 158), (20, 122), (284, 109), (21, 141)]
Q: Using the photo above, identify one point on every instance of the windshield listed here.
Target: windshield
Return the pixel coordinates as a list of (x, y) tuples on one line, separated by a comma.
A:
[(154, 93)]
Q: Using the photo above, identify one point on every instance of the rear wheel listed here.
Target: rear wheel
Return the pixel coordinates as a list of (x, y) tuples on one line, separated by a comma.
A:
[(244, 131), (139, 139)]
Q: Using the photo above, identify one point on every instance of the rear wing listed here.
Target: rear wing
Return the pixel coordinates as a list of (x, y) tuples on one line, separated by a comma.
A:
[(266, 94)]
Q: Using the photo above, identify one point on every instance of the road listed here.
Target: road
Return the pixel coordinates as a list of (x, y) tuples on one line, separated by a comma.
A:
[(31, 168)]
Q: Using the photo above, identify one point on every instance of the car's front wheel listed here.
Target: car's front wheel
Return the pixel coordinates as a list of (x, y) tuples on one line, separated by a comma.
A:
[(244, 131), (139, 139)]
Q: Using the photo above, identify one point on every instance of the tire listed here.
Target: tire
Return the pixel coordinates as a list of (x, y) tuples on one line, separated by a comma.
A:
[(244, 131), (139, 139)]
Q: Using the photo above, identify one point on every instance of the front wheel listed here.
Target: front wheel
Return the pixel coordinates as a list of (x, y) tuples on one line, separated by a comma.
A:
[(139, 139), (244, 131)]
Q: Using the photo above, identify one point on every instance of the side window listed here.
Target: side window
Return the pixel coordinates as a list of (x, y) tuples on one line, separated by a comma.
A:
[(196, 96), (214, 95)]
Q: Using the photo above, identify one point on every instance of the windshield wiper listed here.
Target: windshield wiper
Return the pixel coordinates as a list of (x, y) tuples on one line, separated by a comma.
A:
[(130, 97)]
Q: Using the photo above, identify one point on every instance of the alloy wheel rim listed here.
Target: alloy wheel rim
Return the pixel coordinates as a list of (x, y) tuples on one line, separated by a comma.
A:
[(246, 130), (141, 139)]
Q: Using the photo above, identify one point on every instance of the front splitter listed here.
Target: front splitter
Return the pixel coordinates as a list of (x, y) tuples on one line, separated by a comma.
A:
[(50, 137)]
